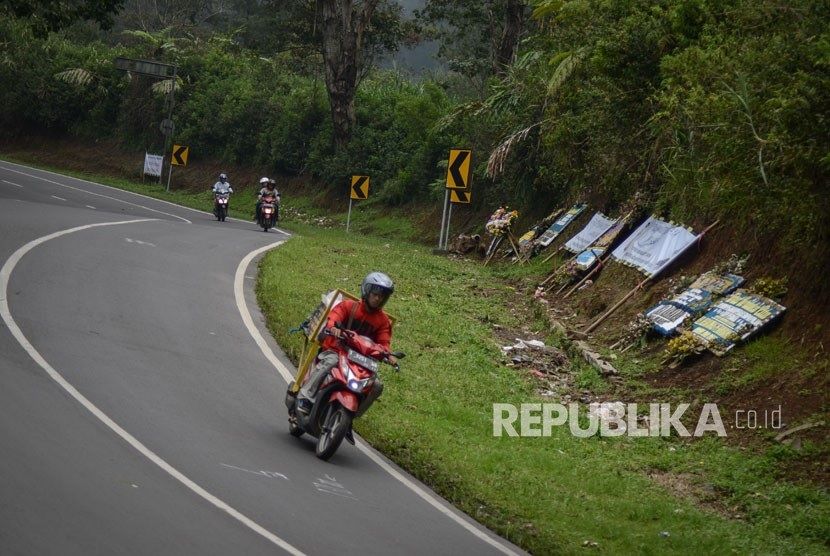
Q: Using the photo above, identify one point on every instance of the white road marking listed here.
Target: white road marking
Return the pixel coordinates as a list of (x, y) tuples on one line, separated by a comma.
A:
[(12, 183), (269, 474), (96, 194), (58, 198), (287, 375), (139, 242), (5, 274), (329, 485), (90, 207)]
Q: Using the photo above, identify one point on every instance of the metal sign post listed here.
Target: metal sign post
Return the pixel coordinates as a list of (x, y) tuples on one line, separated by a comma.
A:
[(170, 117), (443, 219), (457, 191), (158, 70), (447, 232), (359, 189)]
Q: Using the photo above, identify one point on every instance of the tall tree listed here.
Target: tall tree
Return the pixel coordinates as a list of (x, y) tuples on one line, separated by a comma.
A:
[(344, 24), (505, 51), (463, 27)]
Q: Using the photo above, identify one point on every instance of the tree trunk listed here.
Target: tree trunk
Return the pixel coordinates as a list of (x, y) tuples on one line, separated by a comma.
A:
[(343, 25), (509, 43)]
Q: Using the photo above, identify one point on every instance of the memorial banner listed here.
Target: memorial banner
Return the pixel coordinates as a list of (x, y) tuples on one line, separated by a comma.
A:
[(735, 318), (668, 315), (653, 246), (561, 223), (152, 164), (598, 225), (589, 257)]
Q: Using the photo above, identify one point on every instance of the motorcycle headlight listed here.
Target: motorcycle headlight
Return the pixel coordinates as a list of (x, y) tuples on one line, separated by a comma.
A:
[(355, 384)]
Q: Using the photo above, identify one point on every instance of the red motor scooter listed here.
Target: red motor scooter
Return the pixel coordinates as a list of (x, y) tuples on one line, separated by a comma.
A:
[(342, 395), (268, 211)]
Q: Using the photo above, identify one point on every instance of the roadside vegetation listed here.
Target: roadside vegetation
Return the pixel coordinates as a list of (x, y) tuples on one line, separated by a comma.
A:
[(548, 494), (701, 110)]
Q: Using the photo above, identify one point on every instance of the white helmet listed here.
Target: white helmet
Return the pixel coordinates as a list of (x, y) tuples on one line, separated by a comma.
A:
[(377, 282), (263, 180)]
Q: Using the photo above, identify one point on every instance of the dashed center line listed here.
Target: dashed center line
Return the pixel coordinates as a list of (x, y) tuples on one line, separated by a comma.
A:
[(90, 207), (58, 198), (12, 183)]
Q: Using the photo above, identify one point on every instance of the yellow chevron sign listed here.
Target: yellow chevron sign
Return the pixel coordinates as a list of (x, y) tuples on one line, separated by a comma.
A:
[(180, 153), (458, 169), (460, 196), (359, 188)]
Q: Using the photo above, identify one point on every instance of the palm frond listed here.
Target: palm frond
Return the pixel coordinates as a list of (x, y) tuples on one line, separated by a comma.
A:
[(563, 71), (76, 76), (546, 8), (163, 87), (498, 158)]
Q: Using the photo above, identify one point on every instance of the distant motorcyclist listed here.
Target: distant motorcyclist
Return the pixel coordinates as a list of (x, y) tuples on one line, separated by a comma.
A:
[(220, 187), (223, 185), (267, 187), (366, 317)]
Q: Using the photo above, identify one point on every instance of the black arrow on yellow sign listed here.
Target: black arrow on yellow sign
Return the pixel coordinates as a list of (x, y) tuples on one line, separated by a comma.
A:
[(360, 187), (458, 169), (460, 196), (180, 155)]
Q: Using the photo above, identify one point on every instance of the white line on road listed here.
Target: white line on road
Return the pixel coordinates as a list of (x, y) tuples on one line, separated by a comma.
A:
[(287, 375), (12, 183), (5, 274), (90, 207), (97, 194), (58, 198), (269, 474)]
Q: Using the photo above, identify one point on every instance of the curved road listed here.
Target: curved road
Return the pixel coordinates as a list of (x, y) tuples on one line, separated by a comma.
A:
[(141, 397)]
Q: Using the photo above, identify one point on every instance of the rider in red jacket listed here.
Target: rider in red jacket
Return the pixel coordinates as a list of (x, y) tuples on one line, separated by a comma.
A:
[(366, 317)]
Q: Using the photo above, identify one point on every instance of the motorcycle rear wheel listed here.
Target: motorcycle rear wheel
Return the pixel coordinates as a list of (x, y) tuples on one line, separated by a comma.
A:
[(337, 424)]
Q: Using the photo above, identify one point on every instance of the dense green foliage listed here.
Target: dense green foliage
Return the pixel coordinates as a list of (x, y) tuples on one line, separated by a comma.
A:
[(706, 108)]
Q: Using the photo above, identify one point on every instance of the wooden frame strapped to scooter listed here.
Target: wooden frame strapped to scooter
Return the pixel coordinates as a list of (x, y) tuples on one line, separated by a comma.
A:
[(311, 330)]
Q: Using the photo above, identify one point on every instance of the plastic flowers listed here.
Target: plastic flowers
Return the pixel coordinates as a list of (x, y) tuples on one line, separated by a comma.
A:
[(500, 221)]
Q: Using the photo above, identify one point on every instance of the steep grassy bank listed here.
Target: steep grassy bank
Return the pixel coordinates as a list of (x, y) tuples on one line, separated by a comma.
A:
[(549, 494)]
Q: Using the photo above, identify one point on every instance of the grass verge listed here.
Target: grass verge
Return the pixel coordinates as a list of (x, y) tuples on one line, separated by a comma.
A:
[(549, 495)]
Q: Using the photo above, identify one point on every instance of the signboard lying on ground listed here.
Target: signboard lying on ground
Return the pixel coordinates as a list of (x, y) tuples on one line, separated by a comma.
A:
[(152, 164), (653, 245), (598, 225), (561, 223), (668, 315), (735, 318)]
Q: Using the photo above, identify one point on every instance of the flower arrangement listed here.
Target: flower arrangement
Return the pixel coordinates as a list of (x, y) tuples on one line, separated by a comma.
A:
[(500, 221)]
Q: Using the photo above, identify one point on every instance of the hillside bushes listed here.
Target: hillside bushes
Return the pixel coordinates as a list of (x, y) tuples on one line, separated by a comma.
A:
[(707, 108)]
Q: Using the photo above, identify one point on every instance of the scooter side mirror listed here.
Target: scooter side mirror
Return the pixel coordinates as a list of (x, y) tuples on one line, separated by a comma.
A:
[(398, 354)]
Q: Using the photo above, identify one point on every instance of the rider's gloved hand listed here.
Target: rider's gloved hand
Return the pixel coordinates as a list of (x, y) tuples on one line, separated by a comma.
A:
[(392, 360)]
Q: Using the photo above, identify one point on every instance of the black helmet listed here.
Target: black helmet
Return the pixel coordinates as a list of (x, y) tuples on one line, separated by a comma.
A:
[(377, 282)]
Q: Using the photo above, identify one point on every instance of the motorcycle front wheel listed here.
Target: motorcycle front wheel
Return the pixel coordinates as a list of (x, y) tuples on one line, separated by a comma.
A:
[(294, 429), (337, 424)]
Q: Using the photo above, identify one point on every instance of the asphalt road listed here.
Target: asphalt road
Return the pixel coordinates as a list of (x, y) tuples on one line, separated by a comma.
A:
[(141, 397)]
